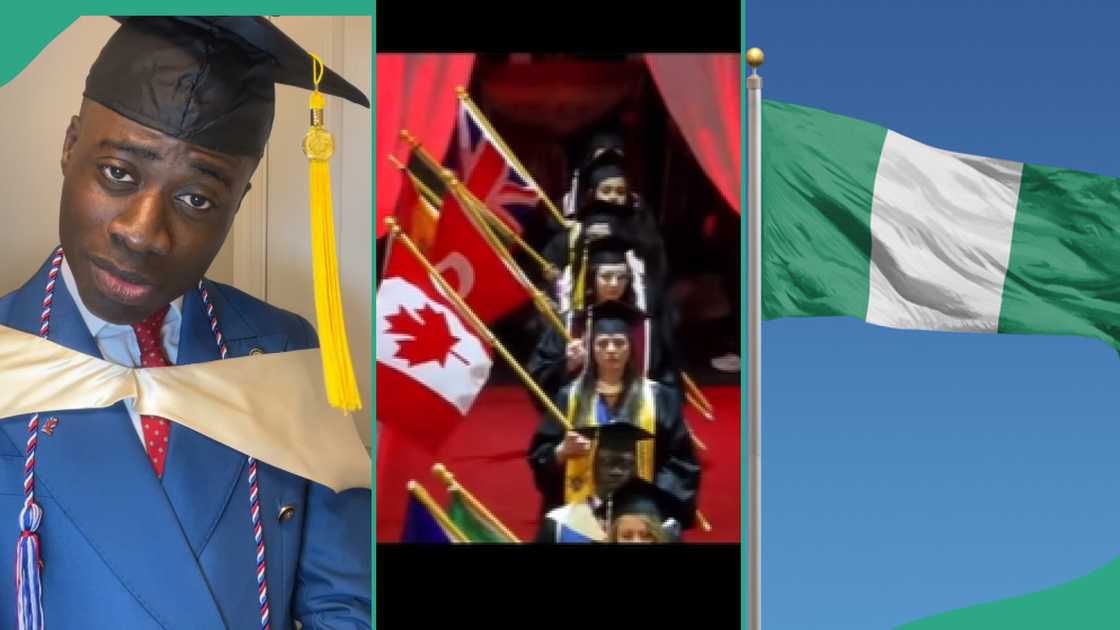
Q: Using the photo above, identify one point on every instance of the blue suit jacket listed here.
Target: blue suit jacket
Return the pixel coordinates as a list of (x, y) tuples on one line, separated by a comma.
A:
[(123, 549)]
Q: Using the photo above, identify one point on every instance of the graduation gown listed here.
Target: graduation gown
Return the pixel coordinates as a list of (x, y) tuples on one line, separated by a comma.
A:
[(548, 364), (125, 549), (676, 469), (547, 532), (640, 226)]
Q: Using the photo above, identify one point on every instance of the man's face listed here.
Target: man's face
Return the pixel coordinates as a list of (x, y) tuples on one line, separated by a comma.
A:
[(613, 468), (142, 214)]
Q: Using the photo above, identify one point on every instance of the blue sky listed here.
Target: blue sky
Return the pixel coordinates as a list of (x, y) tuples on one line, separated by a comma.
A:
[(908, 473)]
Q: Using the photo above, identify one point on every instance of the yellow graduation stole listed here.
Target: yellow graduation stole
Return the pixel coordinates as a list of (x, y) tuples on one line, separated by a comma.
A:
[(579, 478)]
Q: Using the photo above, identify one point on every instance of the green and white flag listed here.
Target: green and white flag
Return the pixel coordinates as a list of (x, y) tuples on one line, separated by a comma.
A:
[(476, 526), (861, 221)]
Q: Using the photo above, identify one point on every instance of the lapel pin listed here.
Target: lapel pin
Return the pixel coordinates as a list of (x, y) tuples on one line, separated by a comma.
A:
[(49, 428)]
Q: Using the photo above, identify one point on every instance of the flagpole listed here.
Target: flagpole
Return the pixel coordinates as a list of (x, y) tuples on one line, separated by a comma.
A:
[(696, 397), (436, 511), (483, 331), (475, 323), (421, 187), (454, 486), (507, 153), (693, 394), (470, 205), (754, 342), (546, 267), (539, 299)]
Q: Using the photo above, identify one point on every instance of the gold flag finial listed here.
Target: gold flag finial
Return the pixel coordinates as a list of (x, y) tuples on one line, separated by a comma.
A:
[(755, 57)]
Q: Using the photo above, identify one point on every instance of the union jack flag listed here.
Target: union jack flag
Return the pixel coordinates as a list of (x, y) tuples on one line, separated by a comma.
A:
[(485, 170)]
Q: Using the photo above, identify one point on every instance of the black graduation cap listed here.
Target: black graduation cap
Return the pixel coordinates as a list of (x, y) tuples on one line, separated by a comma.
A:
[(207, 80), (606, 140), (609, 250), (615, 317), (597, 211), (617, 434), (605, 150), (638, 496), (604, 166)]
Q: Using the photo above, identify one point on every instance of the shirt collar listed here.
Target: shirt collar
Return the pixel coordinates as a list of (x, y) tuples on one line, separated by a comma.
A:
[(95, 324)]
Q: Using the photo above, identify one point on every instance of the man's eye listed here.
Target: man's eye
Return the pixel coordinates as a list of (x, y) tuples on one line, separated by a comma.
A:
[(117, 174), (197, 202)]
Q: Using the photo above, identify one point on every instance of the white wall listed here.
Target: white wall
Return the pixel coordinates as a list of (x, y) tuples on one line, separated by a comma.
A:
[(268, 251)]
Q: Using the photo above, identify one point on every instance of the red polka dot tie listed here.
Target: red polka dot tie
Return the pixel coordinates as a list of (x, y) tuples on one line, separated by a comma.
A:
[(156, 430)]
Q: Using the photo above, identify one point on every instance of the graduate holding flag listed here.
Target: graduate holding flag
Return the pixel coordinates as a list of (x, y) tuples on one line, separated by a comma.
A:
[(610, 390)]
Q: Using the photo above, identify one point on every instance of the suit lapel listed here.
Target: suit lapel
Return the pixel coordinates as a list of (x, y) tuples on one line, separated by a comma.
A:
[(200, 474), (203, 478), (95, 469)]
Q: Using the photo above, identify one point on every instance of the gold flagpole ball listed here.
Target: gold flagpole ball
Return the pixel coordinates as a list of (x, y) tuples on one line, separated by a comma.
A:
[(755, 57)]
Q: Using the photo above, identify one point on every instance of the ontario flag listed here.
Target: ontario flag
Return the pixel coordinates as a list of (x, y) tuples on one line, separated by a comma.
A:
[(484, 168), (417, 210), (462, 250), (430, 365)]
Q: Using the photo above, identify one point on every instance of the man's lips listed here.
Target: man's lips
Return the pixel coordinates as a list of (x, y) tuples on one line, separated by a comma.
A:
[(120, 285)]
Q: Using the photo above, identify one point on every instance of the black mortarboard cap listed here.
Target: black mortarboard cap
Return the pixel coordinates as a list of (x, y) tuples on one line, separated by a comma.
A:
[(606, 139), (207, 80), (609, 249), (615, 317), (638, 496), (606, 165), (597, 211), (618, 434)]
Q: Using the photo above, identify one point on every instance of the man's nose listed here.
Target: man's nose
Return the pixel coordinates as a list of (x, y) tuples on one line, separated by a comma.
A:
[(142, 226)]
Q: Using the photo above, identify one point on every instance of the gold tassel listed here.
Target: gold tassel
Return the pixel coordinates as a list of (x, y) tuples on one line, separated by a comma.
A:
[(338, 371), (580, 283)]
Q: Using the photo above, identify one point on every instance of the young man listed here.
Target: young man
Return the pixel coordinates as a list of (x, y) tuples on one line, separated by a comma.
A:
[(614, 467), (142, 523)]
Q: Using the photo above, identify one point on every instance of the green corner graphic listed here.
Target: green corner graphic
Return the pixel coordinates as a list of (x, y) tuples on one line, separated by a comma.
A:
[(1091, 602)]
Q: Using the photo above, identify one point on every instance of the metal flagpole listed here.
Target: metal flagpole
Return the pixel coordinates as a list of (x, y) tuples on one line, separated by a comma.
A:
[(754, 341)]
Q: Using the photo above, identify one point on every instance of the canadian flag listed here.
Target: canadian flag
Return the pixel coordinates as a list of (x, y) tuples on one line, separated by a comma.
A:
[(430, 365)]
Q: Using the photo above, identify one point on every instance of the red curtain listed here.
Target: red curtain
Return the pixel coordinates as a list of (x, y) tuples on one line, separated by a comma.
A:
[(702, 94), (414, 92)]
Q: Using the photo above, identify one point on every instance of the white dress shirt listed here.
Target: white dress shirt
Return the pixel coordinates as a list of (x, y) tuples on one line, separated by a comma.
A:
[(117, 342)]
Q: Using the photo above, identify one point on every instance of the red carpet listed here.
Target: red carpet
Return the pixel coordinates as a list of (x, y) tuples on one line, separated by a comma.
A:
[(487, 455)]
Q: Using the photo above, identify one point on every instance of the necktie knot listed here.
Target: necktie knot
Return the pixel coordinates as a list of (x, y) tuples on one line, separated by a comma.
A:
[(148, 338)]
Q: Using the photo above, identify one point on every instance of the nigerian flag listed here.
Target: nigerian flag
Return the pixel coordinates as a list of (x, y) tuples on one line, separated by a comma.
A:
[(861, 221)]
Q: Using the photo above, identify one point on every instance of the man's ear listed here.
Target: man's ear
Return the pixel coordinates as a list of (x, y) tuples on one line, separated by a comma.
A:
[(248, 187), (70, 141)]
